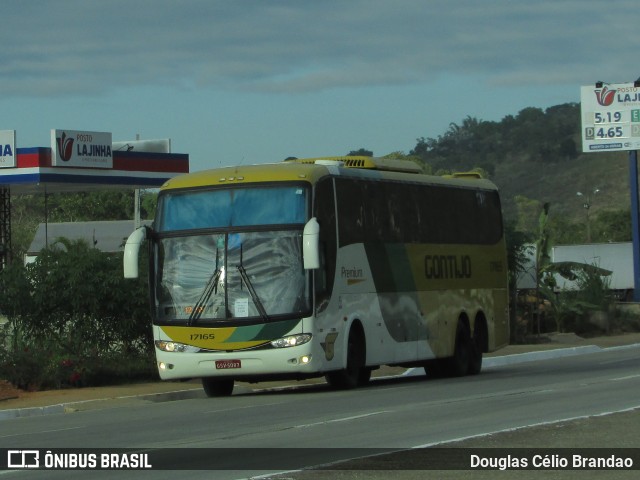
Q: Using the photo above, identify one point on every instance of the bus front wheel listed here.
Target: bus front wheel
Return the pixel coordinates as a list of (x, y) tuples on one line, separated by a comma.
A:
[(355, 374), (216, 387)]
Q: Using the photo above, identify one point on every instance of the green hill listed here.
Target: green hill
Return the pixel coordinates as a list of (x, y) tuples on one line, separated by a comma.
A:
[(537, 154), (558, 183)]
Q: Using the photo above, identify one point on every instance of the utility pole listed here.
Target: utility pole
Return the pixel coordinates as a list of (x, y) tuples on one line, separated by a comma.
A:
[(5, 226), (136, 203), (635, 223), (587, 207)]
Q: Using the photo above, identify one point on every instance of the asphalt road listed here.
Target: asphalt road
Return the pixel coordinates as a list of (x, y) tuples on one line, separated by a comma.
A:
[(313, 424)]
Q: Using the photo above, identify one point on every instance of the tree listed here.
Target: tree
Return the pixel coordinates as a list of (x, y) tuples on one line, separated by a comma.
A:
[(72, 307), (426, 169), (563, 307), (564, 231), (27, 211), (76, 290), (462, 147), (527, 208), (148, 204), (360, 153), (573, 308), (512, 150), (518, 250), (543, 256), (86, 206)]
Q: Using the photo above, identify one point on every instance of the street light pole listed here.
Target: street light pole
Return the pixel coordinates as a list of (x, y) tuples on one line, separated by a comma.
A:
[(635, 222), (587, 207)]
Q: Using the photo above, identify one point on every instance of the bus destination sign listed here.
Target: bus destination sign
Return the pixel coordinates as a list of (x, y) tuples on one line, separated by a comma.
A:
[(610, 117)]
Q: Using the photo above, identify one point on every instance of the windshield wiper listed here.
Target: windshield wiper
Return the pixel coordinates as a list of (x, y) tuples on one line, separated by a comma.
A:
[(210, 287), (252, 291)]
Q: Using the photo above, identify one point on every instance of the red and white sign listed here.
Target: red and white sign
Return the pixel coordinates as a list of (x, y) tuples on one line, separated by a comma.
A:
[(7, 148), (610, 117), (73, 148)]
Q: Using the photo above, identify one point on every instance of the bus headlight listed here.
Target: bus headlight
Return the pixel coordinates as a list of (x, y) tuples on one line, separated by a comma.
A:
[(291, 340), (169, 346)]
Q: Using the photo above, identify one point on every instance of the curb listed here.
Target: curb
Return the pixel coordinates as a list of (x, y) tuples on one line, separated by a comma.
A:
[(76, 406), (540, 355), (31, 411), (549, 354), (491, 362)]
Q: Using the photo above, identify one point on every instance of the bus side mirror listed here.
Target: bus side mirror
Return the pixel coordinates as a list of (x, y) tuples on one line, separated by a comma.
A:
[(311, 245), (131, 251)]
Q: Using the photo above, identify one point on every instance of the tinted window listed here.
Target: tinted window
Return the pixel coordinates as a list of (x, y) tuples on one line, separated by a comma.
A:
[(393, 212)]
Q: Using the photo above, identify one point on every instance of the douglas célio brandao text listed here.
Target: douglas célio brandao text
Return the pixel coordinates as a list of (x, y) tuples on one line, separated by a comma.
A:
[(551, 462)]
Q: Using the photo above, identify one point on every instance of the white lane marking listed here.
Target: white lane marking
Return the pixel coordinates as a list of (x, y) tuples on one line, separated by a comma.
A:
[(343, 419), (244, 407), (624, 378), (522, 427), (43, 431)]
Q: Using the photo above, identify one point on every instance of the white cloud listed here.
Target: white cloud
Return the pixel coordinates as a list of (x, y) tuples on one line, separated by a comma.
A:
[(259, 80), (78, 47)]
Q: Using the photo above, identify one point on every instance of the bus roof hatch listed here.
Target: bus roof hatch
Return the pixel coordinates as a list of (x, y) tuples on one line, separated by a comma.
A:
[(372, 163), (388, 164)]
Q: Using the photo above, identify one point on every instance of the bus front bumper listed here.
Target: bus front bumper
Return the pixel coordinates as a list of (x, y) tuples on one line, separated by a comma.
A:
[(292, 362)]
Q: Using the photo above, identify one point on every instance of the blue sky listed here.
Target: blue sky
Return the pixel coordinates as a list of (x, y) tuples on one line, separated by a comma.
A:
[(256, 81)]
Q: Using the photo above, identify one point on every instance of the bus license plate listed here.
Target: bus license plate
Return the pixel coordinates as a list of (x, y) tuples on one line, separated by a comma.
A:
[(225, 364)]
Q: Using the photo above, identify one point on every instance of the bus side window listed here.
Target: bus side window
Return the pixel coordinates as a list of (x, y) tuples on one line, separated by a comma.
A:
[(325, 212)]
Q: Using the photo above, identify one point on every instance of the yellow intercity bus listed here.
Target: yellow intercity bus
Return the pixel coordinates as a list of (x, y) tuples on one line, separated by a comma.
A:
[(323, 267)]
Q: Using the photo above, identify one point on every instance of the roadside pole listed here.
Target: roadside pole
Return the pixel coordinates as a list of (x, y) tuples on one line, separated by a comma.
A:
[(635, 223), (610, 123)]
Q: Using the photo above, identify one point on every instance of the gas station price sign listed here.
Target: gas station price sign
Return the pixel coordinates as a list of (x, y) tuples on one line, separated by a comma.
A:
[(610, 117)]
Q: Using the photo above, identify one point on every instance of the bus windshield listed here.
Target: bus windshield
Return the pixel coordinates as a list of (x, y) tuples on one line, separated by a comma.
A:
[(218, 272), (232, 207)]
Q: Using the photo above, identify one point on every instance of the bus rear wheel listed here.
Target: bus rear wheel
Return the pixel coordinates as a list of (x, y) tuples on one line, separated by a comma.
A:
[(355, 374), (437, 368), (216, 387), (476, 347), (459, 363)]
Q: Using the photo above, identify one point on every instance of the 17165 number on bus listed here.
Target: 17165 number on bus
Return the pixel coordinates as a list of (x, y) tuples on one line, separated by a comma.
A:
[(226, 364)]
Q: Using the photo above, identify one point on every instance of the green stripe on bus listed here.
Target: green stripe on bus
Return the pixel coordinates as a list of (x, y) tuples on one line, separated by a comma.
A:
[(268, 331), (390, 267)]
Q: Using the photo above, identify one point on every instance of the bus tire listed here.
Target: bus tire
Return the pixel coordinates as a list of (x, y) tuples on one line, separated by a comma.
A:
[(216, 387), (459, 363), (437, 368), (475, 358), (355, 374), (364, 377)]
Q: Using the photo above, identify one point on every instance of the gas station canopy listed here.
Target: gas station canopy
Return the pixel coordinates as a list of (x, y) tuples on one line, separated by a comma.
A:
[(83, 161), (80, 161), (34, 172)]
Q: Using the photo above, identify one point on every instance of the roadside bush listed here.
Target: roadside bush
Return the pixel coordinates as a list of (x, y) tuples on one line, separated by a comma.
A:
[(623, 321), (587, 310), (73, 320), (40, 365), (594, 290)]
